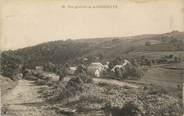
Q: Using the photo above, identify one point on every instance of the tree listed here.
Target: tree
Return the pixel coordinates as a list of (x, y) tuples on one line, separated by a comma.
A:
[(10, 63)]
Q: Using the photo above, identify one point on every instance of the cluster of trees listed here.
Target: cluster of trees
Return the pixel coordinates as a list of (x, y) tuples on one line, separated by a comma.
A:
[(10, 63), (114, 62), (130, 71)]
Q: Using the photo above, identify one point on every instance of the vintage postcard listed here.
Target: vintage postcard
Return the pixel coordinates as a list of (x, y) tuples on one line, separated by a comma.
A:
[(92, 57)]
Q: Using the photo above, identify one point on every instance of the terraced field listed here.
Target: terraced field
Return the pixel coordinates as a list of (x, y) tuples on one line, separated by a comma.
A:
[(169, 76)]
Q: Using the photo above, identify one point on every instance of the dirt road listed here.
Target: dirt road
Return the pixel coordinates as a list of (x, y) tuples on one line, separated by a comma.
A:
[(110, 82), (25, 100), (115, 82)]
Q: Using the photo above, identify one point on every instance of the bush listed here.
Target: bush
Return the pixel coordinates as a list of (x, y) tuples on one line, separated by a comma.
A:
[(73, 87), (130, 108)]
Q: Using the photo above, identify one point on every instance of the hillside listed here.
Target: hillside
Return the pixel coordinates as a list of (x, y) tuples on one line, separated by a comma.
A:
[(59, 52)]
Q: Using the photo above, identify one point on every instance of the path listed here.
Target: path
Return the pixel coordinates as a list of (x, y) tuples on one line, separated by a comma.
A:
[(25, 100), (116, 82), (111, 82)]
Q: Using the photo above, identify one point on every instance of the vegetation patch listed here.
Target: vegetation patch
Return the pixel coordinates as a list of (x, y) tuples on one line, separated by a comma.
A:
[(115, 100)]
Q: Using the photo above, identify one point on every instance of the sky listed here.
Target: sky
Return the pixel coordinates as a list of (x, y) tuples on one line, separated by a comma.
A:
[(29, 22)]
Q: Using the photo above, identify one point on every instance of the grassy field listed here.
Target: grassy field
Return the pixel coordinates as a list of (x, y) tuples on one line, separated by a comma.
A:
[(164, 76), (157, 54)]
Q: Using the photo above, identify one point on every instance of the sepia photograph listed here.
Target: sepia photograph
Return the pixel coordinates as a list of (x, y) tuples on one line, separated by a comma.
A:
[(91, 58)]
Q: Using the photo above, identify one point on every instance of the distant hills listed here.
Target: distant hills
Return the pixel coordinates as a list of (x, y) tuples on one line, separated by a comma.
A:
[(59, 52)]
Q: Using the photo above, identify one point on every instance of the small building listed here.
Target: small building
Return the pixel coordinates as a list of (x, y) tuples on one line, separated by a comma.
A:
[(95, 69)]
